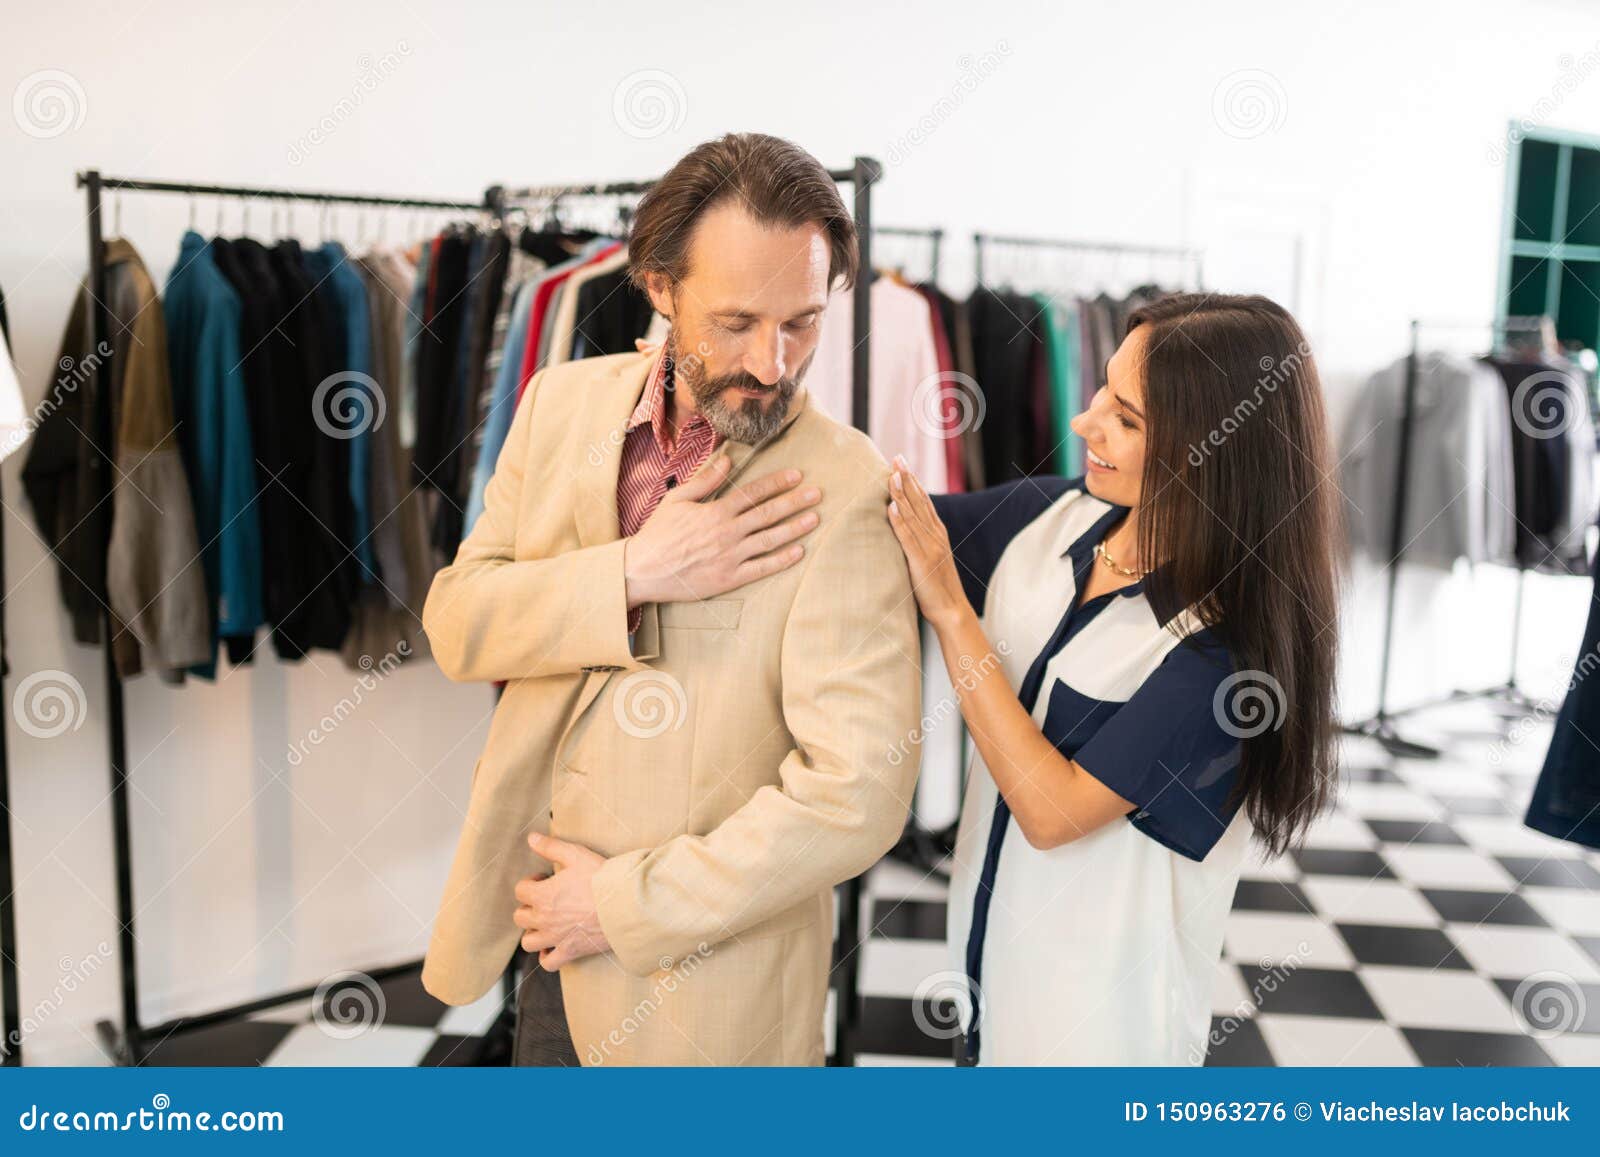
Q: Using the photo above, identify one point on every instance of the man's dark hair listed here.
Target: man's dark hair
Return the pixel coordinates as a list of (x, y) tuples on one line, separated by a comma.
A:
[(777, 182)]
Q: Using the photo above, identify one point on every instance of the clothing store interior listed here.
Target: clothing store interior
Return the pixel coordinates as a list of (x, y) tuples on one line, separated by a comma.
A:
[(237, 771)]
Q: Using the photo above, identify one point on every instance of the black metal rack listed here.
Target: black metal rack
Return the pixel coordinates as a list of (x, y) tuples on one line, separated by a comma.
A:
[(1188, 256), (934, 237), (1380, 725), (919, 847), (128, 1043), (10, 1014)]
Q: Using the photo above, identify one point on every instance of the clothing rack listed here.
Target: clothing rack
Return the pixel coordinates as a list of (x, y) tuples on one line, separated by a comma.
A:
[(934, 237), (10, 1014), (1187, 255), (861, 176), (128, 1042), (1380, 725), (863, 173)]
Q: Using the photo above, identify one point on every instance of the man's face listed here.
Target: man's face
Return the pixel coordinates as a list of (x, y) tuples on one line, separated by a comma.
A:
[(745, 318)]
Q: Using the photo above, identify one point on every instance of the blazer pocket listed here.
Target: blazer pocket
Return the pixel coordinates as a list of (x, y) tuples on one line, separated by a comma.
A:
[(705, 615)]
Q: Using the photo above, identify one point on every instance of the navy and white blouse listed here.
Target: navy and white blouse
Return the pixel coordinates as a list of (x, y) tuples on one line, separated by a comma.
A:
[(1103, 950)]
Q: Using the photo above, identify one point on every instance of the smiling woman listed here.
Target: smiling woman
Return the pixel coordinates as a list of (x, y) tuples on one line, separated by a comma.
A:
[(1166, 689)]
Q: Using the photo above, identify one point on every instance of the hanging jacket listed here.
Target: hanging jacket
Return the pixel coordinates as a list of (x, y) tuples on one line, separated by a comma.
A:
[(1061, 346), (204, 318), (320, 591), (1460, 492), (386, 623), (907, 414), (1006, 332), (346, 404), (136, 553)]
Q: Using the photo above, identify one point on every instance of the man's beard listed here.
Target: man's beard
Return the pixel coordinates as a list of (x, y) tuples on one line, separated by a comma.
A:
[(747, 420)]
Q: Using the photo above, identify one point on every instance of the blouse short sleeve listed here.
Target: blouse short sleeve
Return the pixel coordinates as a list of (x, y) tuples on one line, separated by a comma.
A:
[(1173, 749)]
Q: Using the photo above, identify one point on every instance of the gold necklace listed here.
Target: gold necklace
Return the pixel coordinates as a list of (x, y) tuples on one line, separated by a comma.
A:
[(1124, 571)]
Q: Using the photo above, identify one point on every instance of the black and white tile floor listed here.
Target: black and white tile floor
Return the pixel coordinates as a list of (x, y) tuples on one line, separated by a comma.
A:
[(1406, 932)]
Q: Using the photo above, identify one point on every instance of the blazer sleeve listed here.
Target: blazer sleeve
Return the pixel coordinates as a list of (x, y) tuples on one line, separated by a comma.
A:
[(491, 616), (851, 694)]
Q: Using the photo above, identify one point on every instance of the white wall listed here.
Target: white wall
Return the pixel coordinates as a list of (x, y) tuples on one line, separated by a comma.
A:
[(1360, 140)]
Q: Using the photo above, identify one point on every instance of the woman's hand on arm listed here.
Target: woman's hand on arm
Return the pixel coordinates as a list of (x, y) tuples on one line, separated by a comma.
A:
[(1053, 799), (934, 579)]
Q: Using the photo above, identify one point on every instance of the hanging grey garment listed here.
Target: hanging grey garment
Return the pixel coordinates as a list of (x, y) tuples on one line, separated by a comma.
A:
[(1461, 494)]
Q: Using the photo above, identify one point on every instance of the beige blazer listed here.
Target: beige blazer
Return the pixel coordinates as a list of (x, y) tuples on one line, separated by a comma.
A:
[(735, 763)]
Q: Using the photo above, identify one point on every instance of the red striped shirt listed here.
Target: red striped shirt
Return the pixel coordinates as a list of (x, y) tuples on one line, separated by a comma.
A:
[(651, 457)]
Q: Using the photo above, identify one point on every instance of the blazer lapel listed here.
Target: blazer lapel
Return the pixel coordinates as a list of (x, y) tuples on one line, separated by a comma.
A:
[(599, 451)]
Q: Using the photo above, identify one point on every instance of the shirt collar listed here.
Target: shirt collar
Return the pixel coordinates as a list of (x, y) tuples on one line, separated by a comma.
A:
[(652, 407), (1081, 551)]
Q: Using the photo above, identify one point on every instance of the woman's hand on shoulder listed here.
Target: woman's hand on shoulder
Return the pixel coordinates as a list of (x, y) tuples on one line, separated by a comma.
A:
[(926, 543)]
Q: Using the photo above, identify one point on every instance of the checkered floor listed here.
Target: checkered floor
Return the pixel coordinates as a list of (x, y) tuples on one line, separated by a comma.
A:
[(1422, 924)]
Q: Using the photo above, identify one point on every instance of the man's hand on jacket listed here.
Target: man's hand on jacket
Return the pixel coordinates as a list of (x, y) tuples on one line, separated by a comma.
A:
[(557, 913)]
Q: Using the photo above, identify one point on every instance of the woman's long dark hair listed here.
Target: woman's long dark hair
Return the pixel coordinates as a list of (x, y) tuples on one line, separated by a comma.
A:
[(1238, 504)]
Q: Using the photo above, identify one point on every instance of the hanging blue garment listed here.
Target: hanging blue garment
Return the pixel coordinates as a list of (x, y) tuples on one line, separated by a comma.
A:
[(210, 405)]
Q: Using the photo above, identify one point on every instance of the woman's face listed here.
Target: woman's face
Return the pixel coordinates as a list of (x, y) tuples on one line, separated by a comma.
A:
[(1113, 427)]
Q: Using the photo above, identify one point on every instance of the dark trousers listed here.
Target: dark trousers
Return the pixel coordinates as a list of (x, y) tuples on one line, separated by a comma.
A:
[(542, 1036)]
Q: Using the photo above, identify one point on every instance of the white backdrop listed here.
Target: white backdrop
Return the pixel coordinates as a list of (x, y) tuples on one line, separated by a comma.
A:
[(1344, 162)]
